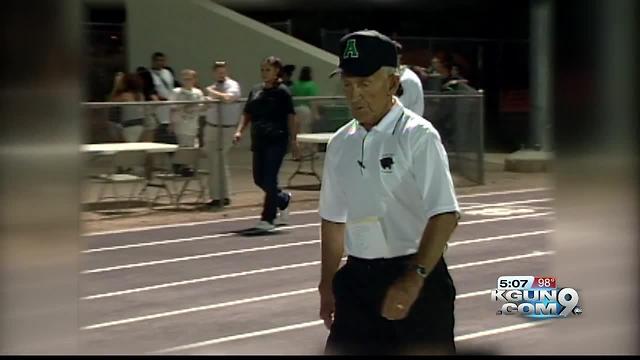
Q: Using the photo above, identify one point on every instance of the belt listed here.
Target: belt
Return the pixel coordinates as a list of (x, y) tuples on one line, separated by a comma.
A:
[(222, 126), (379, 261)]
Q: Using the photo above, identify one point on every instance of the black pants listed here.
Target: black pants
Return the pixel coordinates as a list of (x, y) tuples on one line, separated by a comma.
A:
[(267, 161), (360, 287)]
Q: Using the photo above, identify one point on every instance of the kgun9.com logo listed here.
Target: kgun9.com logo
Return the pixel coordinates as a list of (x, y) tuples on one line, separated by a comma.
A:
[(535, 297)]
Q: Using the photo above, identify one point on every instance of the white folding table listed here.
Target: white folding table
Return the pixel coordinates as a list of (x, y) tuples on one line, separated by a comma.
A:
[(95, 151), (312, 138), (112, 148)]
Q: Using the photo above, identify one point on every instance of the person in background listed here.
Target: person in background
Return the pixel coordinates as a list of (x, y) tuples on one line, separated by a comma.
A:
[(450, 78), (164, 82), (305, 86), (411, 94), (150, 94), (185, 117), (270, 111), (287, 75), (455, 70), (128, 88), (221, 117), (148, 88), (410, 90)]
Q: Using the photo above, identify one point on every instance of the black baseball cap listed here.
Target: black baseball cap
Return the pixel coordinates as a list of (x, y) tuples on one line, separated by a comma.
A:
[(363, 52)]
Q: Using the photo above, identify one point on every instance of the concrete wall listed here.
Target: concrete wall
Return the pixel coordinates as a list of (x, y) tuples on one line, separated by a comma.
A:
[(192, 33)]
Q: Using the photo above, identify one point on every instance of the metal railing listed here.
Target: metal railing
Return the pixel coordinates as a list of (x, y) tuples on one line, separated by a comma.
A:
[(459, 118)]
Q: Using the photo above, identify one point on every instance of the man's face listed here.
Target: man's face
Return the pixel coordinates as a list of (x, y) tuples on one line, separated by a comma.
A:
[(159, 62), (220, 74), (369, 97)]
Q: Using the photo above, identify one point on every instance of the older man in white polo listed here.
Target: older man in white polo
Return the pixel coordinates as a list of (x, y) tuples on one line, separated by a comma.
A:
[(387, 194)]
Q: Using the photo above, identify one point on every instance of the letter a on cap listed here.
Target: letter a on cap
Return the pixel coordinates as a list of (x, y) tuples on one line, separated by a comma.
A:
[(350, 50)]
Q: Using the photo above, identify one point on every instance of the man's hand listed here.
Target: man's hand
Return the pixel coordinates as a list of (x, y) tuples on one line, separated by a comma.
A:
[(401, 296), (225, 98), (327, 303), (295, 150)]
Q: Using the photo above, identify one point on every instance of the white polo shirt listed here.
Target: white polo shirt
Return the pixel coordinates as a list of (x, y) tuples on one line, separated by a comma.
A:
[(398, 173), (412, 94), (230, 112)]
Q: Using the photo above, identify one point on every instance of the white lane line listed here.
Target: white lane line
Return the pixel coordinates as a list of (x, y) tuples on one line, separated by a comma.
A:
[(482, 221), (286, 267), (320, 322), (473, 294), (217, 221), (533, 207), (201, 256), (503, 192), (279, 246), (509, 203), (499, 237), (174, 241), (198, 238), (200, 280), (502, 259), (233, 303), (199, 308), (497, 331), (240, 336), (159, 242), (146, 228)]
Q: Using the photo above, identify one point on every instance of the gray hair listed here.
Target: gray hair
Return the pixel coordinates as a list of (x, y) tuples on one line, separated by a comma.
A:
[(390, 70)]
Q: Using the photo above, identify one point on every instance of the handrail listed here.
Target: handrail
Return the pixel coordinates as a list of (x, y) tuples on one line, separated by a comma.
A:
[(104, 104)]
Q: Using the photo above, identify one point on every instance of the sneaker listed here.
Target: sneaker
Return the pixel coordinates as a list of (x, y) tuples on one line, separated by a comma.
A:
[(264, 226), (283, 215)]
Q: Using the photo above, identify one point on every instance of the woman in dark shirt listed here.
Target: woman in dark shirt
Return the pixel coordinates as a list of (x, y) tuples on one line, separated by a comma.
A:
[(269, 108)]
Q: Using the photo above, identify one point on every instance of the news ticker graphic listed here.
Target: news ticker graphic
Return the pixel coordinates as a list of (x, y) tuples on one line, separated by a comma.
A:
[(535, 297)]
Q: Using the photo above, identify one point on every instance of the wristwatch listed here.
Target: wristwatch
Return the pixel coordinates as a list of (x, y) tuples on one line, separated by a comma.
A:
[(422, 271)]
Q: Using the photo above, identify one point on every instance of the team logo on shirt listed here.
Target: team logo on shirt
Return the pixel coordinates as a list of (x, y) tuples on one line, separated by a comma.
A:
[(387, 163), (350, 50)]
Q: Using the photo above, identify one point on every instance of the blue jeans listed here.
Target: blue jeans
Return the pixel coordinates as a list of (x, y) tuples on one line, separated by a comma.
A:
[(267, 161)]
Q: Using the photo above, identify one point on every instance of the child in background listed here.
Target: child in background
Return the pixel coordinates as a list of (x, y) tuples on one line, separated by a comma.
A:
[(185, 117)]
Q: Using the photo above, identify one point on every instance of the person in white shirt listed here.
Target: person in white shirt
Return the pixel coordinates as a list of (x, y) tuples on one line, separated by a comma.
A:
[(220, 124), (185, 117), (164, 83), (388, 200), (410, 91), (412, 95)]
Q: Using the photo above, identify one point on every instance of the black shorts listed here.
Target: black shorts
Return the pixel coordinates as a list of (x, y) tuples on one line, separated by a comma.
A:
[(360, 287)]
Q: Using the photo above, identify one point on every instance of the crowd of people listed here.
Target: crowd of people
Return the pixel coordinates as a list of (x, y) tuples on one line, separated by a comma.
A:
[(274, 117)]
